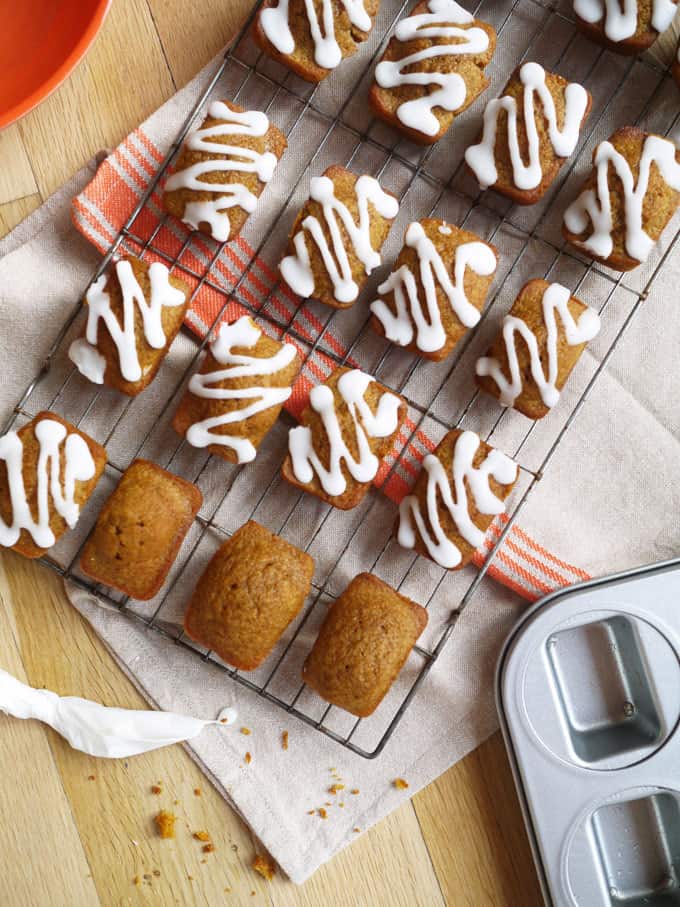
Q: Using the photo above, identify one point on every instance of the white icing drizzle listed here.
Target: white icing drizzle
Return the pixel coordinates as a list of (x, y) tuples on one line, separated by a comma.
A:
[(275, 23), (621, 16), (425, 314), (555, 302), (440, 548), (83, 352), (352, 387), (297, 269), (481, 158), (79, 466), (242, 333), (418, 113), (214, 212), (594, 206)]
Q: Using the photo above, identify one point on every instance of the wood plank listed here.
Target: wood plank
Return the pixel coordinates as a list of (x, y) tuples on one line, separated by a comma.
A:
[(12, 213), (16, 174)]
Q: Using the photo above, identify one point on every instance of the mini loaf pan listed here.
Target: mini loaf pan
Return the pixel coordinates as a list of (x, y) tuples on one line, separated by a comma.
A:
[(588, 693)]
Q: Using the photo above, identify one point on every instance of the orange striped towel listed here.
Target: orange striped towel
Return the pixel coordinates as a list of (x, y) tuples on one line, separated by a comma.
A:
[(103, 208)]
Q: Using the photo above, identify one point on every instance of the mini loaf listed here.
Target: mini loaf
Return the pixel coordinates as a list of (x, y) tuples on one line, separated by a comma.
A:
[(140, 530), (626, 28), (461, 487), (236, 397), (53, 455), (134, 312), (350, 425), (542, 338), (620, 225), (337, 236), (436, 290), (363, 644), (222, 170), (312, 38), (528, 133), (432, 69), (254, 586)]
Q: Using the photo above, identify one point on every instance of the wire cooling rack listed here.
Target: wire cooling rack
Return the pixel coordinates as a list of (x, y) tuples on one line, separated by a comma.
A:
[(330, 123)]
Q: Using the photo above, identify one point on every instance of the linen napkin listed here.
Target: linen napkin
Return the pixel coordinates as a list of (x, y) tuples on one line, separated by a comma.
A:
[(607, 501)]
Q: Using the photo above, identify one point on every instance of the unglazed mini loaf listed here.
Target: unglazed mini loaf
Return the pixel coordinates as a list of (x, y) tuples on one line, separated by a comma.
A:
[(222, 170), (626, 28), (436, 290), (312, 38), (236, 397), (51, 454), (350, 425), (363, 644), (542, 338), (140, 530), (461, 487), (337, 236), (619, 225), (528, 133), (134, 312), (254, 586), (432, 69)]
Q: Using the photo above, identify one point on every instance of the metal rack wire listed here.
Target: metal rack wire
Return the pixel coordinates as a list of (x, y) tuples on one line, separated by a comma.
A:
[(439, 397)]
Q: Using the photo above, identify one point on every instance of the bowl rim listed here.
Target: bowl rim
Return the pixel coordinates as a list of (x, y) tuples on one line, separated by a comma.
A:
[(62, 72)]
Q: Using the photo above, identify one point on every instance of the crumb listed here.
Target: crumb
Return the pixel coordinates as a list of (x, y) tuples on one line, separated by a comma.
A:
[(341, 805), (310, 812), (265, 866), (156, 789), (204, 861), (157, 872), (136, 881), (201, 836), (91, 777), (147, 876), (208, 848), (197, 792), (328, 803), (191, 878), (246, 731), (356, 830), (400, 784), (355, 791), (323, 813), (165, 822), (227, 890), (223, 720), (248, 758), (136, 843), (175, 802), (253, 893), (234, 847), (284, 740), (334, 788)]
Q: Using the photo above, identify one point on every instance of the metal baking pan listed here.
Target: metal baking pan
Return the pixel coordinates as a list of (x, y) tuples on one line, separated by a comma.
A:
[(588, 693)]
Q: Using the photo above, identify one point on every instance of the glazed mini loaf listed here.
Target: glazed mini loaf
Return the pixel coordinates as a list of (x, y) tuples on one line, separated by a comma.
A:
[(461, 487), (236, 397), (432, 69), (542, 338), (337, 236), (630, 196), (254, 586), (528, 133), (626, 28), (350, 425), (311, 39), (436, 290), (140, 530), (134, 312), (363, 644), (48, 470), (222, 170)]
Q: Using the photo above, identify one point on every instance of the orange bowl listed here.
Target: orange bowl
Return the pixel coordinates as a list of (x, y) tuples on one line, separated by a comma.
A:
[(41, 41)]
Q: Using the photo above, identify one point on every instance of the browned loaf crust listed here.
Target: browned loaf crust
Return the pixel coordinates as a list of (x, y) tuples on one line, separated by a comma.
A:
[(363, 644), (25, 545), (175, 201), (476, 286), (254, 586), (194, 409), (483, 521), (344, 182), (659, 206), (355, 491), (140, 530), (551, 163), (150, 359), (385, 101), (528, 307), (302, 61), (645, 34)]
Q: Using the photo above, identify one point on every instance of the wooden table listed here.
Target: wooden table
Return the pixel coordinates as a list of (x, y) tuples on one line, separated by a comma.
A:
[(77, 831)]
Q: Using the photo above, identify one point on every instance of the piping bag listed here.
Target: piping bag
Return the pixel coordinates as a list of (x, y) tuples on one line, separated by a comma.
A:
[(98, 729)]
